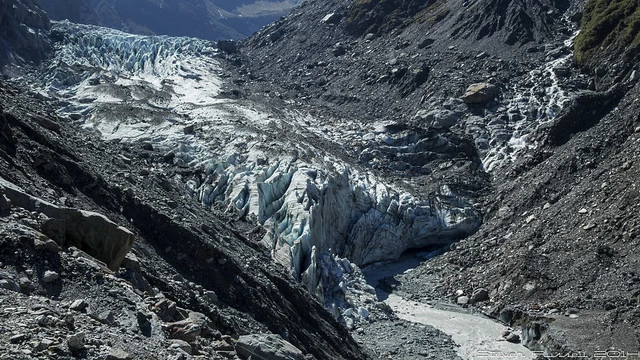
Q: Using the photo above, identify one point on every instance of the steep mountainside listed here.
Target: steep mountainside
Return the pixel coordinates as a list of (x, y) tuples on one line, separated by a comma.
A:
[(23, 27), (556, 138), (206, 19)]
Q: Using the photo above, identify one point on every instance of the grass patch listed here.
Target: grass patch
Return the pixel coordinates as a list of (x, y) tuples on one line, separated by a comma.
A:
[(607, 23)]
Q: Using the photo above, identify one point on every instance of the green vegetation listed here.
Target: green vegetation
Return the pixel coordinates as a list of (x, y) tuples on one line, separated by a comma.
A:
[(607, 23)]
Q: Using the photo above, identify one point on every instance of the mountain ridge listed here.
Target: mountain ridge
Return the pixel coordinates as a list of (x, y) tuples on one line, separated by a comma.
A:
[(197, 18)]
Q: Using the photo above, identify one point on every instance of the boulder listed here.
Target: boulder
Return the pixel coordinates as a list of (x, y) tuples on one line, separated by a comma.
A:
[(438, 119), (189, 329), (266, 347), (92, 233), (479, 295), (118, 354), (50, 276), (480, 93), (76, 341)]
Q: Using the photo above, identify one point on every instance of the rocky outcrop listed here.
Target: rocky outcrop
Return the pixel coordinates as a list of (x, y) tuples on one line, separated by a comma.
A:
[(92, 233), (267, 347), (23, 27), (88, 231), (514, 23)]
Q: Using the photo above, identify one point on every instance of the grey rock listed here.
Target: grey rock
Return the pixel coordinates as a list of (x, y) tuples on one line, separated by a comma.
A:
[(50, 276), (105, 240), (44, 344), (479, 295), (439, 119), (25, 283), (511, 337), (462, 300), (131, 262), (76, 341), (571, 311), (480, 93), (189, 129), (18, 338), (267, 347), (339, 50), (185, 330), (182, 345), (51, 246), (189, 329), (506, 315), (211, 296), (332, 18), (9, 285), (79, 305), (106, 317), (118, 354), (165, 309)]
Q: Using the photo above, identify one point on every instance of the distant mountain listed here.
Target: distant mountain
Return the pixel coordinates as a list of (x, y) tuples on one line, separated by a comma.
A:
[(206, 19)]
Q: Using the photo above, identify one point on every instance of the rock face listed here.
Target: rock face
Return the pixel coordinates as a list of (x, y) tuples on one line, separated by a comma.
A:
[(267, 347), (92, 233), (23, 28), (88, 231)]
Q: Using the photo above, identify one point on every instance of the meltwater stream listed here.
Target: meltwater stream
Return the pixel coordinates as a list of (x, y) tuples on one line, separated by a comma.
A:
[(477, 336)]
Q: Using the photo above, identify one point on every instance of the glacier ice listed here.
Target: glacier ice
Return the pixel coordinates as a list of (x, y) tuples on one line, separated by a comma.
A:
[(324, 218)]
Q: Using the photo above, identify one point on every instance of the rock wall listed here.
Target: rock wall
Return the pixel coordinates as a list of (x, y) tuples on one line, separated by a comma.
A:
[(23, 28)]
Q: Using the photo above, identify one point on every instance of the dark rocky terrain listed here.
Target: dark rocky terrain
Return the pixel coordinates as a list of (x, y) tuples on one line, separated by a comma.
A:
[(559, 235), (23, 35), (206, 19), (494, 103), (195, 283)]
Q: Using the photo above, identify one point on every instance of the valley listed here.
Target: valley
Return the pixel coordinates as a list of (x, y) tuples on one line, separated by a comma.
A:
[(356, 180)]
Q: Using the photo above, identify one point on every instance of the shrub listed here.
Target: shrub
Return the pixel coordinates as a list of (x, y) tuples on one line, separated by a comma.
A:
[(607, 23)]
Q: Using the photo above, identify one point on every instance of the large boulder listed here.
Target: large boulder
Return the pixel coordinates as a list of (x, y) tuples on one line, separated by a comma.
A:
[(480, 93), (92, 233), (189, 328), (437, 119), (266, 347)]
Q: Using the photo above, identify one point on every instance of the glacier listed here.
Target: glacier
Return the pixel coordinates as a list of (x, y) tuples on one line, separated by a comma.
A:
[(325, 218)]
